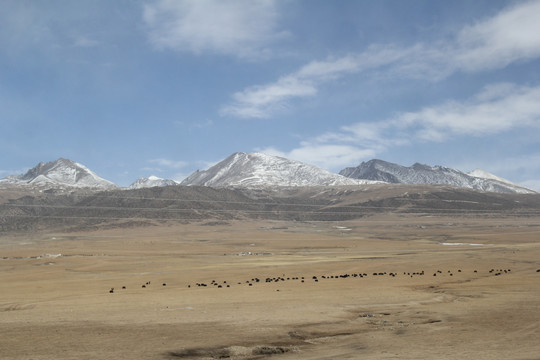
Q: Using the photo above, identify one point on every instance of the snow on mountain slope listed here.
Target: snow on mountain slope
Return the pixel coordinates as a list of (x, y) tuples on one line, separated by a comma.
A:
[(424, 174), (151, 181), (59, 173), (256, 169)]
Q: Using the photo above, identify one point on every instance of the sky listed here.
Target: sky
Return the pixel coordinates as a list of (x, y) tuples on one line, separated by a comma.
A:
[(133, 88)]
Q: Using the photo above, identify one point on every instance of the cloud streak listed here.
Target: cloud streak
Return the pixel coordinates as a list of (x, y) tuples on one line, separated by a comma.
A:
[(241, 28), (496, 109), (170, 164), (510, 36), (326, 156)]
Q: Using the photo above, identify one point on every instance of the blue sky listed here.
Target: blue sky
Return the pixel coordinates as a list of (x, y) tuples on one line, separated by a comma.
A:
[(138, 88)]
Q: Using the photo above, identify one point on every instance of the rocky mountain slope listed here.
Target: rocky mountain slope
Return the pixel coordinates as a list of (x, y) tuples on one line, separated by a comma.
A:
[(424, 174), (255, 170), (83, 210)]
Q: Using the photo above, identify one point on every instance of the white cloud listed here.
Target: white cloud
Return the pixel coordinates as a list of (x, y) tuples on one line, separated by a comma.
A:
[(493, 111), (242, 28), (512, 35), (261, 101), (497, 109), (330, 156), (326, 156)]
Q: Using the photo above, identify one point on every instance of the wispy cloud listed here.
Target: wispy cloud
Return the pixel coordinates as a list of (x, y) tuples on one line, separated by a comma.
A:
[(169, 164), (241, 28), (261, 101), (196, 125), (510, 36), (496, 109), (326, 156), (85, 42)]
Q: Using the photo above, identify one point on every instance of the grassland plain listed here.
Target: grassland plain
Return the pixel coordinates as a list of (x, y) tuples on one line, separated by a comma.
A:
[(386, 286)]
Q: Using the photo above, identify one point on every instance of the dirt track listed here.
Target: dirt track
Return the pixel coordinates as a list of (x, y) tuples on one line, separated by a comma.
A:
[(55, 301)]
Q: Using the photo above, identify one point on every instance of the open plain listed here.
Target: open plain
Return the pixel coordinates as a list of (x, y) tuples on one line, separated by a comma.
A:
[(384, 286)]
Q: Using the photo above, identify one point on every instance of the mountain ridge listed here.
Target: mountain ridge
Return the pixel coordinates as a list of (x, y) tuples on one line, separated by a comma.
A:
[(417, 173), (261, 170)]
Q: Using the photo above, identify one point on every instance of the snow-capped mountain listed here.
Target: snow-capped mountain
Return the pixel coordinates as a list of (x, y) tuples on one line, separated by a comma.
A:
[(256, 169), (424, 174), (151, 181), (60, 173)]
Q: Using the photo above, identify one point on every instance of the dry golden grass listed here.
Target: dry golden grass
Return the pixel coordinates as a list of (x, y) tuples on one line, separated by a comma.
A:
[(60, 307)]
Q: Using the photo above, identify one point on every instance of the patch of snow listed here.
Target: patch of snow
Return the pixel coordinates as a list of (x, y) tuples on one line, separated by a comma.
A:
[(468, 244)]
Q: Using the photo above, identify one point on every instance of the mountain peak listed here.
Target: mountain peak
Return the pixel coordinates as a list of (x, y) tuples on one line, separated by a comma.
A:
[(258, 169), (151, 181), (58, 173)]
